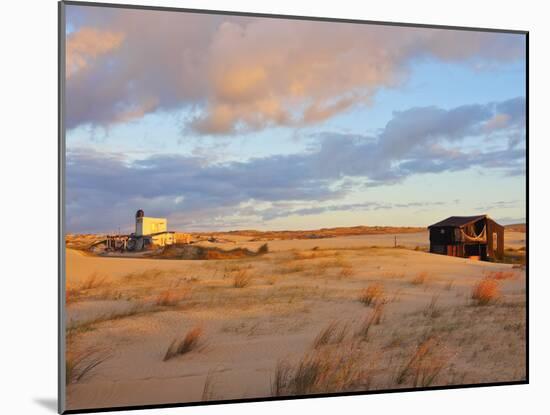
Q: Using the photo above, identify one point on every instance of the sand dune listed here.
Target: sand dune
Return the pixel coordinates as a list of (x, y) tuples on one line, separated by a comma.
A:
[(294, 293)]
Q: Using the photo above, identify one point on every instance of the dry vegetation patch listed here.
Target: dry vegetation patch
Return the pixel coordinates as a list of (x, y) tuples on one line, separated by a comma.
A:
[(432, 310), (424, 365), (420, 278), (374, 318), (372, 294), (189, 343), (172, 297), (196, 252), (346, 271), (82, 326), (500, 275), (80, 365), (321, 372), (242, 279), (333, 333), (91, 284), (485, 291)]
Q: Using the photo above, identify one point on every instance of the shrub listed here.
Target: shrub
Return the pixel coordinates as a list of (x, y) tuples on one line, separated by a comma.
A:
[(264, 249), (485, 291)]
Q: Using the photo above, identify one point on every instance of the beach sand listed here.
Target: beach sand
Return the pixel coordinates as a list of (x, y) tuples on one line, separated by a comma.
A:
[(123, 314)]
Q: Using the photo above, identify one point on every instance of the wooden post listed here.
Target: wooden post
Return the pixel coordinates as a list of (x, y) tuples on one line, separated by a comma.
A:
[(395, 241)]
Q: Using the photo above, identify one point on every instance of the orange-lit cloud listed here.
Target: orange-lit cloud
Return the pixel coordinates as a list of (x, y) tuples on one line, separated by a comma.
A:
[(87, 44), (240, 74)]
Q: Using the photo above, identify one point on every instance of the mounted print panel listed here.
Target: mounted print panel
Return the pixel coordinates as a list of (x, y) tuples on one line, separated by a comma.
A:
[(262, 207)]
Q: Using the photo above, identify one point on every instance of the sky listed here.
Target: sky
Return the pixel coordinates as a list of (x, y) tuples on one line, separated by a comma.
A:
[(225, 122)]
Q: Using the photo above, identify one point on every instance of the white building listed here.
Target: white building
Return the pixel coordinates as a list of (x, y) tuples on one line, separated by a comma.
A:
[(153, 229)]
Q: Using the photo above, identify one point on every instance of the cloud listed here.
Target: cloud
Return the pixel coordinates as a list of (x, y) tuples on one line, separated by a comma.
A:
[(86, 45), (280, 212), (105, 188), (239, 74)]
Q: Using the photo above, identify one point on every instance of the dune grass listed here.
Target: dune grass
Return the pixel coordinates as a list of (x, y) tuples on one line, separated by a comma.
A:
[(374, 318), (432, 310), (372, 294), (424, 365), (346, 271), (420, 278), (80, 365), (93, 282), (500, 275), (321, 372), (242, 278), (77, 327), (189, 343), (172, 297), (333, 333)]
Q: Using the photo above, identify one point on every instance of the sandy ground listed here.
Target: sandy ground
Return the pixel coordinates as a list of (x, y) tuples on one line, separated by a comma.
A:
[(429, 332), (513, 240)]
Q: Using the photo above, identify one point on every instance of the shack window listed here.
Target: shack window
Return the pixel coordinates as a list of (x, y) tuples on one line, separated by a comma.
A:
[(442, 231)]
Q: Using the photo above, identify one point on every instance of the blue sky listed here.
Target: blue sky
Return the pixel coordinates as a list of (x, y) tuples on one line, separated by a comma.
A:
[(219, 122)]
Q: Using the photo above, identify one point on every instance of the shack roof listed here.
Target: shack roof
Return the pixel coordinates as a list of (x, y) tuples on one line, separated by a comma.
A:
[(458, 221)]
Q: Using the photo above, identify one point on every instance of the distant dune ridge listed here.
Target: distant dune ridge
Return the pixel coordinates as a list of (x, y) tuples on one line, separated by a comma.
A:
[(84, 241), (516, 227)]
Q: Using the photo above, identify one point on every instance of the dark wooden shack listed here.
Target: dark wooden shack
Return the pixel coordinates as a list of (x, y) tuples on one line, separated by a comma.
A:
[(467, 236)]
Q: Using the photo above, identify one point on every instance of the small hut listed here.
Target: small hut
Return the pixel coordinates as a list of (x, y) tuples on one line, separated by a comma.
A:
[(478, 237)]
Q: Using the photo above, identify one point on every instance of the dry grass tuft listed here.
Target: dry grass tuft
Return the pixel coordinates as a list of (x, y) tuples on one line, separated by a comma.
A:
[(321, 372), (331, 334), (485, 291), (71, 295), (82, 326), (346, 271), (207, 390), (189, 343), (500, 275), (432, 310), (314, 254), (93, 281), (147, 275), (81, 364), (172, 297), (372, 294), (374, 318), (242, 279), (291, 268), (420, 278), (424, 365)]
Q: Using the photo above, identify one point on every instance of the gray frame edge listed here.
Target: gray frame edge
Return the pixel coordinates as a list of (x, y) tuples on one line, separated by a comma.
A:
[(61, 385)]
